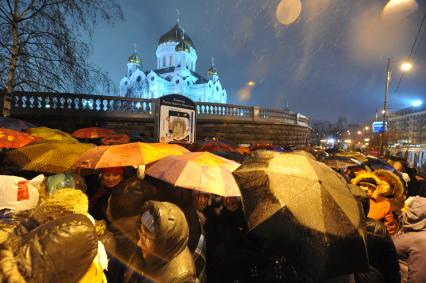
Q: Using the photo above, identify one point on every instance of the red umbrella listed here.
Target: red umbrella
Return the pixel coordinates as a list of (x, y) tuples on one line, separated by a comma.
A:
[(14, 139), (259, 146), (92, 133), (116, 139), (214, 146)]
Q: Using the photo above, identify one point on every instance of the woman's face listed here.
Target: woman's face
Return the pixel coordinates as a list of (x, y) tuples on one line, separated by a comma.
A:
[(145, 242), (112, 179)]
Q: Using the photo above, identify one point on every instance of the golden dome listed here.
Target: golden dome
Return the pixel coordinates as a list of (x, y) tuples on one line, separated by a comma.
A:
[(182, 46), (212, 71), (175, 35), (134, 58)]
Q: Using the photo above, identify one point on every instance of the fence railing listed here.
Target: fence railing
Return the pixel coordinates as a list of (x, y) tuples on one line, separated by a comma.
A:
[(86, 104)]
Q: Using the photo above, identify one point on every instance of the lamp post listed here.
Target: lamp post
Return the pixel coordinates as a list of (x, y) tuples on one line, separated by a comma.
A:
[(406, 66), (383, 142)]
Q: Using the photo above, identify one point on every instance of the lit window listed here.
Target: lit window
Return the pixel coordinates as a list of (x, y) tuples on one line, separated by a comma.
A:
[(164, 61)]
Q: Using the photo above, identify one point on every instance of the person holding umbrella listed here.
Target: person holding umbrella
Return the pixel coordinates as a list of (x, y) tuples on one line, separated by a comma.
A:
[(163, 255), (228, 255), (380, 206), (111, 177), (410, 242)]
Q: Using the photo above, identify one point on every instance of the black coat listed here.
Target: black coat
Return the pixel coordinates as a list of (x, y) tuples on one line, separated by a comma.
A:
[(170, 259), (228, 255), (381, 253), (61, 250)]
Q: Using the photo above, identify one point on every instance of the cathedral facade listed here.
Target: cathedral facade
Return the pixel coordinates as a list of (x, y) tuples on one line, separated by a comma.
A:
[(175, 72)]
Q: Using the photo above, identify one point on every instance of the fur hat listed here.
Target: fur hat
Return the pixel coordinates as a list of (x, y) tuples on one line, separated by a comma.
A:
[(393, 187), (366, 179)]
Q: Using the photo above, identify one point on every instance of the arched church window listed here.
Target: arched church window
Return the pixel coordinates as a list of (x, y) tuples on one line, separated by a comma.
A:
[(130, 73), (187, 83), (171, 60), (217, 88), (138, 79), (152, 79), (164, 61), (177, 81)]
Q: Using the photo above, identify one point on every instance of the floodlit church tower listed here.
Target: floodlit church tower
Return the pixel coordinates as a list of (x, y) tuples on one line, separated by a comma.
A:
[(175, 73)]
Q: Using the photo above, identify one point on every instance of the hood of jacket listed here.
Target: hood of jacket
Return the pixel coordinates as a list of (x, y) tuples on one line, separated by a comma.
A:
[(414, 217), (396, 188), (167, 223), (61, 250), (127, 199)]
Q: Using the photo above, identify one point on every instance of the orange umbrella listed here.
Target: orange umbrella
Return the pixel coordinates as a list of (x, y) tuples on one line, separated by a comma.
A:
[(212, 146), (92, 133), (243, 150), (201, 171), (116, 139), (14, 139), (136, 153)]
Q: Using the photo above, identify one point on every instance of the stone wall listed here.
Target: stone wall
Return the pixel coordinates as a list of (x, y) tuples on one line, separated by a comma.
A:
[(237, 132)]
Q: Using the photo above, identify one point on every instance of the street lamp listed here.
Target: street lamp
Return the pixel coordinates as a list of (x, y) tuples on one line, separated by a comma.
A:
[(406, 66)]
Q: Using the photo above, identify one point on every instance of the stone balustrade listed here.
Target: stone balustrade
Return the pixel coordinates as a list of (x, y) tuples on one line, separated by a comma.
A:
[(29, 103)]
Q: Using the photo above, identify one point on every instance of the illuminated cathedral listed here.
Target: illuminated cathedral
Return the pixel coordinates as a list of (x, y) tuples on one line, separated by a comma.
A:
[(175, 72)]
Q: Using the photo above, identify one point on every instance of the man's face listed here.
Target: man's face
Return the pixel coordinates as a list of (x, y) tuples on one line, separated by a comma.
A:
[(231, 203), (112, 179), (201, 201)]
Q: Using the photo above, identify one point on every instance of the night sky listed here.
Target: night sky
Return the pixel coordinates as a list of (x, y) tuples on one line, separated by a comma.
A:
[(330, 62)]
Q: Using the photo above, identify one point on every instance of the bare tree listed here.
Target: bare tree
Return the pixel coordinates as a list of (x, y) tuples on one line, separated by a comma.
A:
[(44, 45)]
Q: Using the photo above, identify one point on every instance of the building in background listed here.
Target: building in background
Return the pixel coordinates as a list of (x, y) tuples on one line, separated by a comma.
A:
[(175, 72), (407, 126)]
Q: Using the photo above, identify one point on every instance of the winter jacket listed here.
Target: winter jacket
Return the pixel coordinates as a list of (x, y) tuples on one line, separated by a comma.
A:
[(410, 243), (168, 259), (382, 254), (380, 209), (61, 203), (381, 251), (61, 250), (228, 255)]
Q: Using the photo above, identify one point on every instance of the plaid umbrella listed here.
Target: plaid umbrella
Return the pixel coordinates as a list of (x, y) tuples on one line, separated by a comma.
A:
[(13, 139), (48, 156), (304, 210), (92, 133), (201, 171), (50, 134), (260, 146)]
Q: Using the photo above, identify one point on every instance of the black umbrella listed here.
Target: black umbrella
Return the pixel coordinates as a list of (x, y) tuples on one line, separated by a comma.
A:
[(340, 162), (304, 210)]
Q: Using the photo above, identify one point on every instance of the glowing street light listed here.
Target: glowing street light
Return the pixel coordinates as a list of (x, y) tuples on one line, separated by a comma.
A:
[(408, 66), (417, 103)]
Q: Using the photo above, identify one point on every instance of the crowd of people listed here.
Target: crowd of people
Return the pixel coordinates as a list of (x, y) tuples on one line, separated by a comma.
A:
[(121, 226)]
